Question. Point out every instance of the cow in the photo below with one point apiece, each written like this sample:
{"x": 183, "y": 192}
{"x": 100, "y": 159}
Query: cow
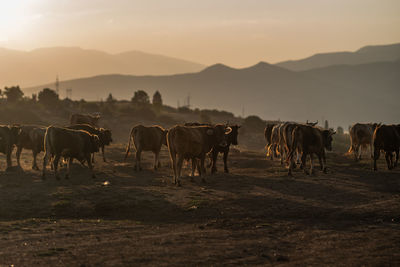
{"x": 30, "y": 137}
{"x": 193, "y": 142}
{"x": 386, "y": 138}
{"x": 361, "y": 136}
{"x": 8, "y": 138}
{"x": 105, "y": 136}
{"x": 273, "y": 149}
{"x": 146, "y": 139}
{"x": 68, "y": 143}
{"x": 268, "y": 139}
{"x": 84, "y": 119}
{"x": 310, "y": 140}
{"x": 286, "y": 132}
{"x": 231, "y": 138}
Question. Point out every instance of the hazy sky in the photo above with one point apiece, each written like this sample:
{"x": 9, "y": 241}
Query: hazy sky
{"x": 234, "y": 32}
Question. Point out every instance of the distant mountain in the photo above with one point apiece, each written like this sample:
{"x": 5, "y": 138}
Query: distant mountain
{"x": 43, "y": 65}
{"x": 342, "y": 94}
{"x": 367, "y": 54}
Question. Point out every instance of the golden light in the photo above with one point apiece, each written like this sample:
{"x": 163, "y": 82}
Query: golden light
{"x": 14, "y": 17}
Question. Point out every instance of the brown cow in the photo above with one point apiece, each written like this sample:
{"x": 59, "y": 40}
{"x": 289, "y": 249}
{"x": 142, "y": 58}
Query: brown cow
{"x": 310, "y": 140}
{"x": 361, "y": 135}
{"x": 8, "y": 138}
{"x": 84, "y": 119}
{"x": 146, "y": 139}
{"x": 387, "y": 138}
{"x": 70, "y": 144}
{"x": 104, "y": 135}
{"x": 193, "y": 142}
{"x": 31, "y": 137}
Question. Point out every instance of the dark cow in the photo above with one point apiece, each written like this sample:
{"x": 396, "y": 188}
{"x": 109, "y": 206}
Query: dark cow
{"x": 84, "y": 119}
{"x": 104, "y": 135}
{"x": 68, "y": 143}
{"x": 231, "y": 138}
{"x": 361, "y": 135}
{"x": 387, "y": 138}
{"x": 193, "y": 142}
{"x": 310, "y": 140}
{"x": 8, "y": 138}
{"x": 287, "y": 130}
{"x": 31, "y": 137}
{"x": 146, "y": 139}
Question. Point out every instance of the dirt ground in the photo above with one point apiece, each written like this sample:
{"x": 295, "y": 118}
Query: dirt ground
{"x": 255, "y": 215}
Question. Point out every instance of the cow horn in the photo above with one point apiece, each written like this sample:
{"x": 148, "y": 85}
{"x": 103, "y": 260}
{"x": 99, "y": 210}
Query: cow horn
{"x": 228, "y": 130}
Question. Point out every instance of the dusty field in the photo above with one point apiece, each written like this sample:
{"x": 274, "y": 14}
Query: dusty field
{"x": 255, "y": 215}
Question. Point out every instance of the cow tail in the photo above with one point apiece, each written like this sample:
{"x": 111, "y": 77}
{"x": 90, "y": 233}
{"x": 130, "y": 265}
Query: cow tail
{"x": 128, "y": 147}
{"x": 294, "y": 143}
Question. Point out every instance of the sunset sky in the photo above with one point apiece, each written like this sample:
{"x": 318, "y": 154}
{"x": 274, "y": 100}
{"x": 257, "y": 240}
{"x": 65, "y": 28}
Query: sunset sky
{"x": 235, "y": 32}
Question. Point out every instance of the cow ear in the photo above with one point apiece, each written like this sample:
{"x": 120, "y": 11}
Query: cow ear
{"x": 210, "y": 132}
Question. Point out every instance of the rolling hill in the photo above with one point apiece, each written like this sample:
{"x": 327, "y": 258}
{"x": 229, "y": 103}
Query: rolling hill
{"x": 367, "y": 54}
{"x": 342, "y": 94}
{"x": 43, "y": 65}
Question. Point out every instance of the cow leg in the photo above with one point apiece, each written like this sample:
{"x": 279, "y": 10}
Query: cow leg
{"x": 194, "y": 164}
{"x": 34, "y": 164}
{"x": 68, "y": 168}
{"x": 45, "y": 158}
{"x": 376, "y": 157}
{"x": 92, "y": 157}
{"x": 18, "y": 155}
{"x": 202, "y": 168}
{"x": 214, "y": 161}
{"x": 179, "y": 170}
{"x": 388, "y": 156}
{"x": 102, "y": 152}
{"x": 9, "y": 164}
{"x": 138, "y": 166}
{"x": 356, "y": 150}
{"x": 324, "y": 162}
{"x": 156, "y": 158}
{"x": 55, "y": 165}
{"x": 312, "y": 164}
{"x": 303, "y": 160}
{"x": 226, "y": 161}
{"x": 298, "y": 156}
{"x": 174, "y": 165}
{"x": 397, "y": 158}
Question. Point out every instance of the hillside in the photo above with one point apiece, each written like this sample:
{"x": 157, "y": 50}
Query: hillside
{"x": 43, "y": 65}
{"x": 266, "y": 90}
{"x": 367, "y": 54}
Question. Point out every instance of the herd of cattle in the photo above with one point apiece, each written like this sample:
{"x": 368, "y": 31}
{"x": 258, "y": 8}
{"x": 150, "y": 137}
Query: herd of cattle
{"x": 193, "y": 142}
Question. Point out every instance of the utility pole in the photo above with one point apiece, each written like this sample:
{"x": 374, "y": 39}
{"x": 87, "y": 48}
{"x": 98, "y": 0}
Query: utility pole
{"x": 57, "y": 85}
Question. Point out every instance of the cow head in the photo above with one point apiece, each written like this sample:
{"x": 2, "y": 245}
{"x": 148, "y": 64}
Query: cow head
{"x": 107, "y": 136}
{"x": 327, "y": 138}
{"x": 233, "y": 134}
{"x": 219, "y": 134}
{"x": 94, "y": 143}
